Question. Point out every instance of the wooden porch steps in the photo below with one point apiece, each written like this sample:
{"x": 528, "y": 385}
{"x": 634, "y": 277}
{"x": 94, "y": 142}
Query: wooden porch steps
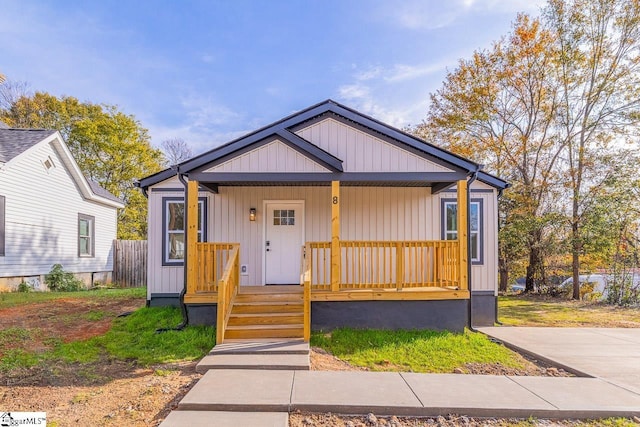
{"x": 269, "y": 312}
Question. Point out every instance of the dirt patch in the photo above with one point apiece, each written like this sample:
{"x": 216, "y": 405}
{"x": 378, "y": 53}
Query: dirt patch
{"x": 66, "y": 320}
{"x": 107, "y": 392}
{"x": 141, "y": 397}
{"x": 332, "y": 420}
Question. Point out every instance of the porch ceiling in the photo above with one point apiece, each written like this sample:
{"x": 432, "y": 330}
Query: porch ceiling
{"x": 438, "y": 181}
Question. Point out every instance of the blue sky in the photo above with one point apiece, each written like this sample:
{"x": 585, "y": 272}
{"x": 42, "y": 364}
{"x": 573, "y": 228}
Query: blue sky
{"x": 210, "y": 71}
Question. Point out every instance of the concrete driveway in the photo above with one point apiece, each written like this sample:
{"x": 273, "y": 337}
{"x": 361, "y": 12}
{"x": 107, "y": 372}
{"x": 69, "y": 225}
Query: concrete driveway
{"x": 612, "y": 354}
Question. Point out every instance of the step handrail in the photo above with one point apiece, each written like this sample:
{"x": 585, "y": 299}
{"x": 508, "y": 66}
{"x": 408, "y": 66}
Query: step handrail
{"x": 227, "y": 290}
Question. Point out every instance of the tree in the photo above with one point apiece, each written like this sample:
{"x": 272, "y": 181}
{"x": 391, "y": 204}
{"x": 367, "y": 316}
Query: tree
{"x": 499, "y": 108}
{"x": 110, "y": 147}
{"x": 11, "y": 91}
{"x": 598, "y": 74}
{"x": 176, "y": 150}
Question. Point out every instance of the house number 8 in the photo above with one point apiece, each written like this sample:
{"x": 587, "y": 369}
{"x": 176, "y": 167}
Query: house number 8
{"x": 335, "y": 200}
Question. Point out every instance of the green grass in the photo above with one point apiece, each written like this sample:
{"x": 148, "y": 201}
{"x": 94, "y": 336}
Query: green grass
{"x": 415, "y": 351}
{"x": 13, "y": 335}
{"x": 12, "y": 299}
{"x": 131, "y": 338}
{"x": 134, "y": 338}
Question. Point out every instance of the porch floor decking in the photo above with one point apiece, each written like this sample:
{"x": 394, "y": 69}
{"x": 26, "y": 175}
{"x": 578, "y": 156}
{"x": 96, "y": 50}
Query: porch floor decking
{"x": 425, "y": 293}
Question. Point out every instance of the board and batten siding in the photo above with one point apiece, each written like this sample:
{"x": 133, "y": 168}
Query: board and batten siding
{"x": 362, "y": 152}
{"x": 484, "y": 276}
{"x": 42, "y": 208}
{"x": 367, "y": 213}
{"x": 275, "y": 156}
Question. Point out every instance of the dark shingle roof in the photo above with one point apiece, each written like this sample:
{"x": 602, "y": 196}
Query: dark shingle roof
{"x": 99, "y": 191}
{"x": 16, "y": 141}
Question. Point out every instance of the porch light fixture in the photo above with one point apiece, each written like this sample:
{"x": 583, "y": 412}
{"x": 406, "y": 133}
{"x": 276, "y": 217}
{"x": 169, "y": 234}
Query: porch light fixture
{"x": 252, "y": 214}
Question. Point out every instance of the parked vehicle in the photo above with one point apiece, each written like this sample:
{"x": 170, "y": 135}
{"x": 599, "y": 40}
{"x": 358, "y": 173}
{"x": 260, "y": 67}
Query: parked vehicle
{"x": 592, "y": 286}
{"x": 519, "y": 285}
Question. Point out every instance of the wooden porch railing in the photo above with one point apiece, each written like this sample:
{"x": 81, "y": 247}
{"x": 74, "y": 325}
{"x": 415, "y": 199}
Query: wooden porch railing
{"x": 227, "y": 290}
{"x": 211, "y": 259}
{"x": 386, "y": 264}
{"x": 306, "y": 294}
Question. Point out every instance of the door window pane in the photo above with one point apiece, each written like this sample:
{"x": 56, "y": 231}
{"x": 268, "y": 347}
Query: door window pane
{"x": 284, "y": 217}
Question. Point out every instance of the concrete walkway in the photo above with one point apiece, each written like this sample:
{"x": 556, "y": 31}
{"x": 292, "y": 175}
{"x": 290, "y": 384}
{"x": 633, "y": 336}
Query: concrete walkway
{"x": 229, "y": 397}
{"x": 607, "y": 353}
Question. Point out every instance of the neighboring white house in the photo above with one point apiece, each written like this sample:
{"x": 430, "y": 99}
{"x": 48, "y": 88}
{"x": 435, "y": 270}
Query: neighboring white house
{"x": 50, "y": 213}
{"x": 273, "y": 191}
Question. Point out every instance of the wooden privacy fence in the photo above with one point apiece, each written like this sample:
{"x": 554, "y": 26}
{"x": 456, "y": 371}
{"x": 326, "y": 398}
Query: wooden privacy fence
{"x": 130, "y": 263}
{"x": 386, "y": 264}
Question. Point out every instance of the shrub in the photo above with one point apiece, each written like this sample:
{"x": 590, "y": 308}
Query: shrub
{"x": 62, "y": 281}
{"x": 24, "y": 287}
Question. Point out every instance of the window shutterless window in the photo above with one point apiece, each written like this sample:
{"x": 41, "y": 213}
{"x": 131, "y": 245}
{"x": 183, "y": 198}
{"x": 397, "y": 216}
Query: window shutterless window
{"x": 173, "y": 226}
{"x": 86, "y": 235}
{"x": 450, "y": 226}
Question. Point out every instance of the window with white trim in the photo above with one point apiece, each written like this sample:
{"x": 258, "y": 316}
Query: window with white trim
{"x": 450, "y": 225}
{"x": 86, "y": 235}
{"x": 173, "y": 225}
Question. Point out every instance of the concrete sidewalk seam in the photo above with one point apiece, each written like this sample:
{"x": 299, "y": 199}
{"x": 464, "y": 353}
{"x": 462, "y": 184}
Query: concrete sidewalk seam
{"x": 532, "y": 392}
{"x": 617, "y": 385}
{"x": 412, "y": 390}
{"x": 547, "y": 360}
{"x": 293, "y": 384}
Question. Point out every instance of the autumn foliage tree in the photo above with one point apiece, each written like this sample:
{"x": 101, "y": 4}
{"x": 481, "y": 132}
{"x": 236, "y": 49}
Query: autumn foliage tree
{"x": 498, "y": 108}
{"x": 598, "y": 73}
{"x": 550, "y": 107}
{"x": 109, "y": 146}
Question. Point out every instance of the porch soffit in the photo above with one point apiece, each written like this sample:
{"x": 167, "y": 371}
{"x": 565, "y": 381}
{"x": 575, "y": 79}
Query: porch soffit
{"x": 438, "y": 181}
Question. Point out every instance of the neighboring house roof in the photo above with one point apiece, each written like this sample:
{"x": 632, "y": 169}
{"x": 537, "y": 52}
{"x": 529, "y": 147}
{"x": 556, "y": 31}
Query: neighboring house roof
{"x": 14, "y": 142}
{"x": 285, "y": 129}
{"x": 18, "y": 142}
{"x": 99, "y": 191}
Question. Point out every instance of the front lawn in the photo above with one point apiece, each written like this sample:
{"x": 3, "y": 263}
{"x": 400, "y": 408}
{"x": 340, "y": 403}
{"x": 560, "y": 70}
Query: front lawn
{"x": 415, "y": 351}
{"x": 535, "y": 310}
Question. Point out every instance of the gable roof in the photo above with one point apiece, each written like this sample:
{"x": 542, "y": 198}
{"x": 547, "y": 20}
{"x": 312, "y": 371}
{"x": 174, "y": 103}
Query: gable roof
{"x": 16, "y": 142}
{"x": 285, "y": 130}
{"x": 100, "y": 191}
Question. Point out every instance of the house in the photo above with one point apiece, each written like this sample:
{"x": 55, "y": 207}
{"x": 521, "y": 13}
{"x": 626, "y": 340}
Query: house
{"x": 50, "y": 213}
{"x": 382, "y": 229}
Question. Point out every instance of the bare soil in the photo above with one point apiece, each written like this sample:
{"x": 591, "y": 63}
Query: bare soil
{"x": 105, "y": 393}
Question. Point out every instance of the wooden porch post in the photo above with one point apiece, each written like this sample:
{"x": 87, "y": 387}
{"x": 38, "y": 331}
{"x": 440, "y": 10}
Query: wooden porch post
{"x": 336, "y": 256}
{"x": 191, "y": 237}
{"x": 463, "y": 236}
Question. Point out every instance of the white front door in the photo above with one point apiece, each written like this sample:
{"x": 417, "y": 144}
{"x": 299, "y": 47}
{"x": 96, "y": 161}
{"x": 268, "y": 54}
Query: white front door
{"x": 284, "y": 237}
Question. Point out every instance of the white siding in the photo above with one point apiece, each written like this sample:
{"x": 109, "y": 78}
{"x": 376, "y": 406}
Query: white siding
{"x": 42, "y": 210}
{"x": 361, "y": 152}
{"x": 272, "y": 157}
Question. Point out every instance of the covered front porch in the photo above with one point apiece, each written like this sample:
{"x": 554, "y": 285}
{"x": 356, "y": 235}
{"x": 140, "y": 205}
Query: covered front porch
{"x": 335, "y": 270}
